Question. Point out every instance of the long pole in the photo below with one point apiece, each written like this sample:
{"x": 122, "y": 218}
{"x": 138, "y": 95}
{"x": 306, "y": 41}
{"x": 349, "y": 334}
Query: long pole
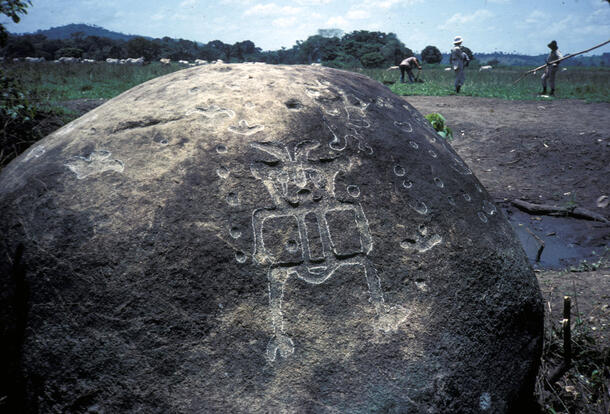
{"x": 559, "y": 60}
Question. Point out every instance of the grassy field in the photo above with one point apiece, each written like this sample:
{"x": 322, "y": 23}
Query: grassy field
{"x": 590, "y": 84}
{"x": 50, "y": 83}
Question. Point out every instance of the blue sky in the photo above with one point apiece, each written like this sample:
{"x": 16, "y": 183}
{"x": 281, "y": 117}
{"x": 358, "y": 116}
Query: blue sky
{"x": 523, "y": 26}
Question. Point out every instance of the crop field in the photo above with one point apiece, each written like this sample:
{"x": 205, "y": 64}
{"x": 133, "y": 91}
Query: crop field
{"x": 49, "y": 83}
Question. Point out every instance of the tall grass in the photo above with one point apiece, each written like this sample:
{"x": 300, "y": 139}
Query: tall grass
{"x": 51, "y": 83}
{"x": 590, "y": 84}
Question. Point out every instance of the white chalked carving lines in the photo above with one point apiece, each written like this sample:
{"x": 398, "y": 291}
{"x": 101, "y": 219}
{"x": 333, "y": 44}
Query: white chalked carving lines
{"x": 95, "y": 163}
{"x": 310, "y": 237}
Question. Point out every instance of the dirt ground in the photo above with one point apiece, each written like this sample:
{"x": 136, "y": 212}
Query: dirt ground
{"x": 554, "y": 152}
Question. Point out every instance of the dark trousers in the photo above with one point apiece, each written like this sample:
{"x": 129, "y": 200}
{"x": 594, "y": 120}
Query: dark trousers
{"x": 404, "y": 69}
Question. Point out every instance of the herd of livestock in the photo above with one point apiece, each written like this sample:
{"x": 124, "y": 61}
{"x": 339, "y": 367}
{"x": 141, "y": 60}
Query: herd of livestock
{"x": 129, "y": 61}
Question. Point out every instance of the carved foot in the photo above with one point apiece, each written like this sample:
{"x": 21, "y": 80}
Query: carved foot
{"x": 281, "y": 343}
{"x": 391, "y": 317}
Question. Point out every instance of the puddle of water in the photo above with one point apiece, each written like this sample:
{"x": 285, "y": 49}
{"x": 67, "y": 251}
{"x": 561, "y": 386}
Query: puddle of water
{"x": 567, "y": 241}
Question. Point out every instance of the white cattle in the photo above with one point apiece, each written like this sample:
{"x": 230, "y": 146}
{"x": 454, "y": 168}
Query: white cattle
{"x": 112, "y": 61}
{"x": 447, "y": 69}
{"x": 220, "y": 62}
{"x": 564, "y": 69}
{"x": 68, "y": 59}
{"x": 34, "y": 59}
{"x": 88, "y": 61}
{"x": 486, "y": 67}
{"x": 133, "y": 61}
{"x": 16, "y": 59}
{"x": 201, "y": 62}
{"x": 183, "y": 62}
{"x": 315, "y": 64}
{"x": 165, "y": 61}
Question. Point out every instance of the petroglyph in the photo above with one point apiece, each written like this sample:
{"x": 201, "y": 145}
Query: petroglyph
{"x": 293, "y": 104}
{"x": 221, "y": 149}
{"x": 489, "y": 208}
{"x": 310, "y": 238}
{"x": 241, "y": 257}
{"x": 432, "y": 154}
{"x": 439, "y": 183}
{"x": 222, "y": 172}
{"x": 35, "y": 152}
{"x": 235, "y": 232}
{"x": 407, "y": 184}
{"x": 339, "y": 144}
{"x": 482, "y": 216}
{"x": 404, "y": 126}
{"x": 413, "y": 144}
{"x": 467, "y": 197}
{"x": 353, "y": 191}
{"x": 94, "y": 163}
{"x": 212, "y": 112}
{"x": 233, "y": 199}
{"x": 419, "y": 206}
{"x": 383, "y": 103}
{"x": 422, "y": 242}
{"x": 399, "y": 171}
{"x": 243, "y": 128}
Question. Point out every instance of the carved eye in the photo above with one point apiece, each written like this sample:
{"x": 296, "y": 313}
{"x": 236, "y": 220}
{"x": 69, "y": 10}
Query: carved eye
{"x": 292, "y": 246}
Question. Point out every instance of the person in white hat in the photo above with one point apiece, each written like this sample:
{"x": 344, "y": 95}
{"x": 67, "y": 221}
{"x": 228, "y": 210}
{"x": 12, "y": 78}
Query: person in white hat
{"x": 551, "y": 69}
{"x": 458, "y": 60}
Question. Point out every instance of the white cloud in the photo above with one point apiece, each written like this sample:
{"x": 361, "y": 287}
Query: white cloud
{"x": 188, "y": 3}
{"x": 272, "y": 9}
{"x": 338, "y": 22}
{"x": 536, "y": 17}
{"x": 312, "y": 2}
{"x": 358, "y": 14}
{"x": 386, "y": 4}
{"x": 284, "y": 22}
{"x": 459, "y": 19}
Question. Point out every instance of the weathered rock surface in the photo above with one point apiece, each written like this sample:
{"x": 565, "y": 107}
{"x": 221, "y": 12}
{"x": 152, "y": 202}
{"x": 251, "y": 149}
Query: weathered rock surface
{"x": 253, "y": 238}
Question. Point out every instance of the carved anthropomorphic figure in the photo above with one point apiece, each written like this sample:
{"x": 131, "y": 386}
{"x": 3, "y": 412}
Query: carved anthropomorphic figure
{"x": 309, "y": 233}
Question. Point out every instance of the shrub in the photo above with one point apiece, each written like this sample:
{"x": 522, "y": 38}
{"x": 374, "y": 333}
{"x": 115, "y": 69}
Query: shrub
{"x": 438, "y": 123}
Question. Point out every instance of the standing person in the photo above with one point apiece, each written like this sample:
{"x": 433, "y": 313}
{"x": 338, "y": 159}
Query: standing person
{"x": 458, "y": 60}
{"x": 551, "y": 69}
{"x": 407, "y": 65}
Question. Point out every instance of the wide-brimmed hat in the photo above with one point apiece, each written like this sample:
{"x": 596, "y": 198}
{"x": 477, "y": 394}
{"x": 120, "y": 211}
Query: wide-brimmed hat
{"x": 552, "y": 45}
{"x": 457, "y": 40}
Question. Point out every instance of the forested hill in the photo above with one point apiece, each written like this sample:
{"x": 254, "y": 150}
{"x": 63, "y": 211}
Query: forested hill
{"x": 66, "y": 32}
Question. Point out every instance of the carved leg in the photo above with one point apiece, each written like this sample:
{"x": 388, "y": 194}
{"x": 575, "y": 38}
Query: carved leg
{"x": 280, "y": 341}
{"x": 388, "y": 317}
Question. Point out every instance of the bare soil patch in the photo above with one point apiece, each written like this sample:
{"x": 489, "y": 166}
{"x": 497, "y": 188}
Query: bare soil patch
{"x": 554, "y": 152}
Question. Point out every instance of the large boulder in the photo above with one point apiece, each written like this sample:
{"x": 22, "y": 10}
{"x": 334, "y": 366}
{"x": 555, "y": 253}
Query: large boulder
{"x": 253, "y": 238}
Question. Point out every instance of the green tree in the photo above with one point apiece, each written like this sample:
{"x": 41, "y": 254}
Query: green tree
{"x": 431, "y": 54}
{"x": 12, "y": 9}
{"x": 139, "y": 46}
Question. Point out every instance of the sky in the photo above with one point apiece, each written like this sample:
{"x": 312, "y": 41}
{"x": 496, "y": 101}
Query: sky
{"x": 520, "y": 26}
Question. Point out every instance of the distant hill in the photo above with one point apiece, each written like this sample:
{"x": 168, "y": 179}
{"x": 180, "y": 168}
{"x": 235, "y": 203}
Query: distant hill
{"x": 65, "y": 32}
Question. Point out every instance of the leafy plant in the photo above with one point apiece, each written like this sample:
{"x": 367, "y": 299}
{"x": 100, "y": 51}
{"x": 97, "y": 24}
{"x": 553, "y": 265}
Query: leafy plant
{"x": 438, "y": 123}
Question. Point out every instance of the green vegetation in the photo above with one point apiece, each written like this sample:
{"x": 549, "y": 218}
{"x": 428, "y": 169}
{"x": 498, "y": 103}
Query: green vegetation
{"x": 51, "y": 83}
{"x": 590, "y": 84}
{"x": 438, "y": 123}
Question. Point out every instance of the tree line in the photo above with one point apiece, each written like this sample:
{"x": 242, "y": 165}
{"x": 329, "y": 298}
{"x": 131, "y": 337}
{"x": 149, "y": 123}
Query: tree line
{"x": 360, "y": 48}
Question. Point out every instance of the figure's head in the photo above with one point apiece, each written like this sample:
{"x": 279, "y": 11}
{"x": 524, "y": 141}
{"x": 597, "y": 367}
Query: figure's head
{"x": 458, "y": 40}
{"x": 552, "y": 45}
